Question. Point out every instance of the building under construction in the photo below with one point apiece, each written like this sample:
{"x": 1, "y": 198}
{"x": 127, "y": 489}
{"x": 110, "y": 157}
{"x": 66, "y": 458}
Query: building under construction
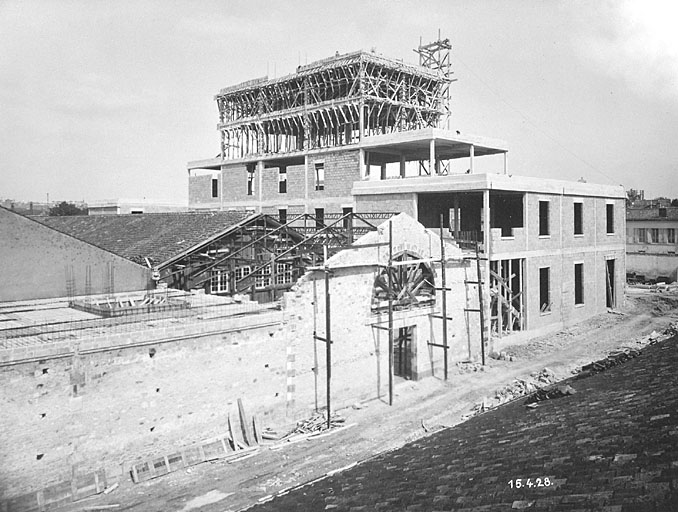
{"x": 361, "y": 133}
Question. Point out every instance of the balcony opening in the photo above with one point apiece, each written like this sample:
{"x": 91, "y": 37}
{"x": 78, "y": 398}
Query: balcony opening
{"x": 506, "y": 212}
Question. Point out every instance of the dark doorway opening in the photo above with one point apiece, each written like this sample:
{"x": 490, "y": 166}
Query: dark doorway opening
{"x": 402, "y": 352}
{"x": 609, "y": 283}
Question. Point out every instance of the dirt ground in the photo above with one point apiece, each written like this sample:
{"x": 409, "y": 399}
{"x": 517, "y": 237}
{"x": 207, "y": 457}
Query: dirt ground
{"x": 375, "y": 427}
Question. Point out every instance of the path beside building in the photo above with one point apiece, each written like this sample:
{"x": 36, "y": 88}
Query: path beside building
{"x": 221, "y": 486}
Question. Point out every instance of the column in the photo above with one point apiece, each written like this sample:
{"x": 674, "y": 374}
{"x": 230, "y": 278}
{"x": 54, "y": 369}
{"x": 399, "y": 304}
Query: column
{"x": 432, "y": 157}
{"x": 471, "y": 155}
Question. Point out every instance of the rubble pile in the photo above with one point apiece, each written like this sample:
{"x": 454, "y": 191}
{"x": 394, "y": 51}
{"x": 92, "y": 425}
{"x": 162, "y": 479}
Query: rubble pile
{"x": 317, "y": 423}
{"x": 517, "y": 389}
{"x": 550, "y": 393}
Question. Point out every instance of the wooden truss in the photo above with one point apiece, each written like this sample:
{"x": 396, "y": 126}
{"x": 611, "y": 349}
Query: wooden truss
{"x": 263, "y": 256}
{"x": 334, "y": 102}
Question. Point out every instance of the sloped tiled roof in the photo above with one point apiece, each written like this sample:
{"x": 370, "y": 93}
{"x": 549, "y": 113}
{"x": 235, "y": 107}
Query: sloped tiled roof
{"x": 157, "y": 236}
{"x": 651, "y": 213}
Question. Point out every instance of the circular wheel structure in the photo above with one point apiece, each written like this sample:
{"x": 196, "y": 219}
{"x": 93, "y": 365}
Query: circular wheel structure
{"x": 411, "y": 285}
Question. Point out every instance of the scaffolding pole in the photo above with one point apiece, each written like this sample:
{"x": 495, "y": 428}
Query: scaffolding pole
{"x": 444, "y": 292}
{"x": 390, "y": 312}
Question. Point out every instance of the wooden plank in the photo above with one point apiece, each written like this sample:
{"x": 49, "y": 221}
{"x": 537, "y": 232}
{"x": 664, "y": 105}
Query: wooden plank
{"x": 256, "y": 429}
{"x": 232, "y": 433}
{"x": 244, "y": 424}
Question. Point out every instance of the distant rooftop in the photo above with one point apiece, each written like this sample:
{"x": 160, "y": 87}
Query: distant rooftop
{"x": 156, "y": 236}
{"x": 661, "y": 213}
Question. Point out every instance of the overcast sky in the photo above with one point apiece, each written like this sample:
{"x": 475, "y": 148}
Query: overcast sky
{"x": 109, "y": 99}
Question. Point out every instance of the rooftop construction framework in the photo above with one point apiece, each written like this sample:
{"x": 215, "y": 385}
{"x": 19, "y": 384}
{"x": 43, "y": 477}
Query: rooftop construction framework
{"x": 334, "y": 102}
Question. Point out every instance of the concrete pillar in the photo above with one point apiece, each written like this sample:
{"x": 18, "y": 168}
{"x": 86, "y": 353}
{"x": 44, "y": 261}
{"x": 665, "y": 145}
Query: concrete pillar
{"x": 506, "y": 163}
{"x": 361, "y": 158}
{"x": 432, "y": 157}
{"x": 402, "y": 166}
{"x": 471, "y": 156}
{"x": 382, "y": 174}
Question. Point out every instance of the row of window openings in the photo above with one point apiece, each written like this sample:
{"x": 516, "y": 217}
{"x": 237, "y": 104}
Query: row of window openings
{"x": 545, "y": 287}
{"x": 220, "y": 281}
{"x": 282, "y": 180}
{"x": 654, "y": 235}
{"x": 578, "y": 220}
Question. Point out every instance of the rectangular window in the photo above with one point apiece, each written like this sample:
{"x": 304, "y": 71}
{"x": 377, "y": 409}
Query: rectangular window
{"x": 640, "y": 235}
{"x": 671, "y": 236}
{"x": 320, "y": 217}
{"x": 263, "y": 277}
{"x": 250, "y": 179}
{"x": 610, "y": 219}
{"x": 283, "y": 273}
{"x": 578, "y": 219}
{"x": 320, "y": 176}
{"x": 219, "y": 281}
{"x": 578, "y": 283}
{"x": 654, "y": 236}
{"x": 282, "y": 215}
{"x": 348, "y": 221}
{"x": 241, "y": 272}
{"x": 215, "y": 187}
{"x": 282, "y": 180}
{"x": 544, "y": 290}
{"x": 544, "y": 229}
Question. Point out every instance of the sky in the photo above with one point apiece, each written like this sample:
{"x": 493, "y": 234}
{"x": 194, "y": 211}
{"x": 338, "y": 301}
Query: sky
{"x": 103, "y": 100}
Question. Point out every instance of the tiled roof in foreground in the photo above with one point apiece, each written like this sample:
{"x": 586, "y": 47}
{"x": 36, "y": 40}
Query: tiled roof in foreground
{"x": 157, "y": 236}
{"x": 613, "y": 446}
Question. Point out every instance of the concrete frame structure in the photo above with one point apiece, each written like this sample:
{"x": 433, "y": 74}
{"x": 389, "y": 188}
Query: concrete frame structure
{"x": 651, "y": 247}
{"x": 363, "y": 133}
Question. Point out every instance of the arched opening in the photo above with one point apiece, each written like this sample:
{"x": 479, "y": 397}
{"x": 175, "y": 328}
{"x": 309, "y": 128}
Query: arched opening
{"x": 412, "y": 285}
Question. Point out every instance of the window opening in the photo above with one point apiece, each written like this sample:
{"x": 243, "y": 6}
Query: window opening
{"x": 578, "y": 219}
{"x": 250, "y": 179}
{"x": 578, "y": 283}
{"x": 610, "y": 219}
{"x": 219, "y": 281}
{"x": 609, "y": 282}
{"x": 402, "y": 352}
{"x": 347, "y": 220}
{"x": 544, "y": 290}
{"x": 671, "y": 236}
{"x": 215, "y": 187}
{"x": 320, "y": 217}
{"x": 412, "y": 285}
{"x": 282, "y": 215}
{"x": 544, "y": 218}
{"x": 654, "y": 235}
{"x": 282, "y": 180}
{"x": 320, "y": 176}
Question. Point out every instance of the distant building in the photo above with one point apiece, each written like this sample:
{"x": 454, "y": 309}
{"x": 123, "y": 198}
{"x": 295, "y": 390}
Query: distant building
{"x": 651, "y": 243}
{"x": 132, "y": 206}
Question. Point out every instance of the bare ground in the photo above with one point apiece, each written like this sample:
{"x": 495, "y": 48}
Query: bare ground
{"x": 377, "y": 427}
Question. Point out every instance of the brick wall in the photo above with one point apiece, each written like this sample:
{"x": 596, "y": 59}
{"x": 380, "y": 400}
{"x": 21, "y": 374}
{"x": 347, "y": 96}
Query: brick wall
{"x": 401, "y": 203}
{"x": 200, "y": 190}
{"x": 35, "y": 257}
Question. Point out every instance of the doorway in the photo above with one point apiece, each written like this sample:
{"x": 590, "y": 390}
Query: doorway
{"x": 609, "y": 283}
{"x": 402, "y": 352}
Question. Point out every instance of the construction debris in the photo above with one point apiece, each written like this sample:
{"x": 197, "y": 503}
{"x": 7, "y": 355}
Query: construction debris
{"x": 550, "y": 393}
{"x": 517, "y": 389}
{"x": 317, "y": 423}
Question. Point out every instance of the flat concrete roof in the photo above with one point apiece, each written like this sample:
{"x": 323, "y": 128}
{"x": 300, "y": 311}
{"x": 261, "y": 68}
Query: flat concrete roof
{"x": 414, "y": 144}
{"x": 478, "y": 182}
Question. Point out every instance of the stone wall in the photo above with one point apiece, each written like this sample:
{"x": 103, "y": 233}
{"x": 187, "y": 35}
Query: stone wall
{"x": 35, "y": 259}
